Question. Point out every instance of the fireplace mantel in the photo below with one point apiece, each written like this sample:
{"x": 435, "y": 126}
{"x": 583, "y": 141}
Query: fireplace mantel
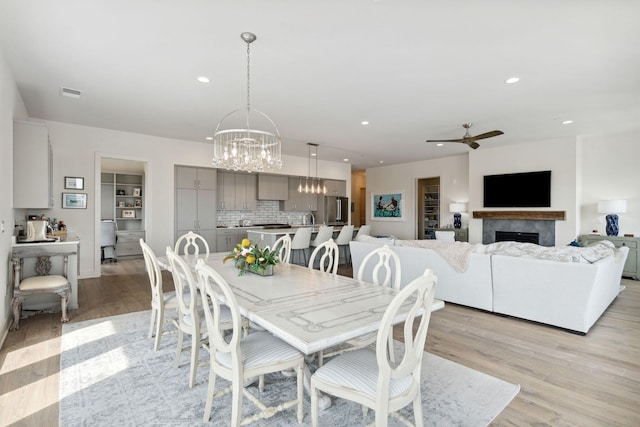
{"x": 533, "y": 215}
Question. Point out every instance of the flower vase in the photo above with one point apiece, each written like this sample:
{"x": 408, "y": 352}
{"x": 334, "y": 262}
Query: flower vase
{"x": 267, "y": 270}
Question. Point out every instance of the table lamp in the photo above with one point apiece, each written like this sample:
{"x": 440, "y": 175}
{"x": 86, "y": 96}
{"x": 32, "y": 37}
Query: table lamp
{"x": 457, "y": 208}
{"x": 611, "y": 208}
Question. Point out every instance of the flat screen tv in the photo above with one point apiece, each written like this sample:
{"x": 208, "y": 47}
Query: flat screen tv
{"x": 518, "y": 190}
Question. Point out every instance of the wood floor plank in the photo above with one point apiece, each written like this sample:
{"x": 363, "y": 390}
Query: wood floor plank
{"x": 566, "y": 379}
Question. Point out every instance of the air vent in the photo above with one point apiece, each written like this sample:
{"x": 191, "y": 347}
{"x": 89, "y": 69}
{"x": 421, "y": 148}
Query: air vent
{"x": 71, "y": 93}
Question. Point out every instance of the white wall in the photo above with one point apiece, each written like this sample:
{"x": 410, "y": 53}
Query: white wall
{"x": 560, "y": 156}
{"x": 584, "y": 170}
{"x": 76, "y": 152}
{"x": 454, "y": 187}
{"x": 11, "y": 107}
{"x": 610, "y": 171}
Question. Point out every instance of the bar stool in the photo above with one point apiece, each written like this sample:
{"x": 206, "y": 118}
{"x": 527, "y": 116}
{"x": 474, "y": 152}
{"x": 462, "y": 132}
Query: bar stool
{"x": 343, "y": 239}
{"x": 300, "y": 242}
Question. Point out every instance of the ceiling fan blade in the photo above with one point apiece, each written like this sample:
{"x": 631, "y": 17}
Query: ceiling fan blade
{"x": 445, "y": 140}
{"x": 486, "y": 135}
{"x": 472, "y": 144}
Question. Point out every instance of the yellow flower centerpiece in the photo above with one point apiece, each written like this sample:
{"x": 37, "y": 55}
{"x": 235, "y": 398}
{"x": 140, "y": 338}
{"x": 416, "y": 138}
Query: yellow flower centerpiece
{"x": 248, "y": 256}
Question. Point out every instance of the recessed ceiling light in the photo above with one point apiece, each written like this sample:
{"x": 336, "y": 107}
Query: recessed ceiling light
{"x": 313, "y": 154}
{"x": 512, "y": 80}
{"x": 364, "y": 123}
{"x": 439, "y": 144}
{"x": 209, "y": 138}
{"x": 381, "y": 161}
{"x": 567, "y": 122}
{"x": 346, "y": 160}
{"x": 203, "y": 79}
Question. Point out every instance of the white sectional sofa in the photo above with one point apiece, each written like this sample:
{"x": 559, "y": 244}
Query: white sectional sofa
{"x": 569, "y": 295}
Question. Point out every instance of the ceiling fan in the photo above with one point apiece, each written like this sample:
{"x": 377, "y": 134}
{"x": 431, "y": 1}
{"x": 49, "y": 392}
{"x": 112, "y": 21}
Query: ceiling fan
{"x": 468, "y": 139}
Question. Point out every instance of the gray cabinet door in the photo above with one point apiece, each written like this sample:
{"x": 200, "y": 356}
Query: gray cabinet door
{"x": 186, "y": 177}
{"x": 186, "y": 209}
{"x": 207, "y": 179}
{"x": 206, "y": 209}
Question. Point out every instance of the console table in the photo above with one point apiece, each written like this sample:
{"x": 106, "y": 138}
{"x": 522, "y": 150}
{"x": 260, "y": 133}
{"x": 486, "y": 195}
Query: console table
{"x": 461, "y": 234}
{"x": 633, "y": 259}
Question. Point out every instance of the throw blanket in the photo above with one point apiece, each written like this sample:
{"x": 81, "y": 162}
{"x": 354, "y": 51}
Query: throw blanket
{"x": 591, "y": 253}
{"x": 455, "y": 253}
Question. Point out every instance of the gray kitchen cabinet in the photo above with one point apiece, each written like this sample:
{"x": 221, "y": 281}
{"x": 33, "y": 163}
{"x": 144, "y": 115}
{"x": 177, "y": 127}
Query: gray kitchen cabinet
{"x": 246, "y": 192}
{"x": 228, "y": 238}
{"x": 226, "y": 190}
{"x": 335, "y": 187}
{"x": 32, "y": 166}
{"x": 273, "y": 187}
{"x": 297, "y": 201}
{"x": 195, "y": 203}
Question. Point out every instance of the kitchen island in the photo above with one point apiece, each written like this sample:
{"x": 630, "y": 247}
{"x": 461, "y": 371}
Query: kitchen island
{"x": 264, "y": 237}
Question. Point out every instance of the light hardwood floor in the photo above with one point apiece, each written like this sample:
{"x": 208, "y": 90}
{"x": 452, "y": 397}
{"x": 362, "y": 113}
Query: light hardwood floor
{"x": 565, "y": 379}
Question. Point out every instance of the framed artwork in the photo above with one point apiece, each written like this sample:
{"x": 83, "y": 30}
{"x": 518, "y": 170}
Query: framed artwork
{"x": 138, "y": 203}
{"x": 128, "y": 214}
{"x": 137, "y": 192}
{"x": 73, "y": 183}
{"x": 74, "y": 200}
{"x": 387, "y": 206}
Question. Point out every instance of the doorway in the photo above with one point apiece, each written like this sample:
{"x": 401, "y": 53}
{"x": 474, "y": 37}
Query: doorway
{"x": 428, "y": 207}
{"x": 123, "y": 210}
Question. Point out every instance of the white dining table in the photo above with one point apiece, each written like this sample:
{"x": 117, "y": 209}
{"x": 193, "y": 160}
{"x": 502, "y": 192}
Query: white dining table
{"x": 308, "y": 309}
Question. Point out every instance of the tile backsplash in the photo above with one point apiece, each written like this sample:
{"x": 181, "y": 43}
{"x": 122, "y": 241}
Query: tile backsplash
{"x": 268, "y": 212}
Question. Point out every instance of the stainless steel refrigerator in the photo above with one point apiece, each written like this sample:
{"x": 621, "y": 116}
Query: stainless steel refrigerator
{"x": 336, "y": 210}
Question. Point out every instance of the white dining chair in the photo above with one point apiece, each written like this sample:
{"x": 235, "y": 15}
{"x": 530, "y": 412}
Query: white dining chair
{"x": 238, "y": 358}
{"x": 190, "y": 319}
{"x": 381, "y": 267}
{"x": 343, "y": 239}
{"x": 193, "y": 244}
{"x": 161, "y": 301}
{"x": 370, "y": 377}
{"x": 283, "y": 246}
{"x": 327, "y": 255}
{"x": 300, "y": 242}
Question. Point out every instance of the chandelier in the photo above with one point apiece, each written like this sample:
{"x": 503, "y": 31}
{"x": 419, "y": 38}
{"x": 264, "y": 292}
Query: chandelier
{"x": 317, "y": 186}
{"x": 247, "y": 149}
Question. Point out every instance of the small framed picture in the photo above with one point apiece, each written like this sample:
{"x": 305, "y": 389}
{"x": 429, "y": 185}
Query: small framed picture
{"x": 137, "y": 192}
{"x": 121, "y": 204}
{"x": 138, "y": 203}
{"x": 73, "y": 183}
{"x": 74, "y": 200}
{"x": 128, "y": 214}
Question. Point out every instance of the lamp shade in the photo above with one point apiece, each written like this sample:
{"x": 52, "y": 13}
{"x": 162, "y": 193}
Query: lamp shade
{"x": 612, "y": 206}
{"x": 457, "y": 207}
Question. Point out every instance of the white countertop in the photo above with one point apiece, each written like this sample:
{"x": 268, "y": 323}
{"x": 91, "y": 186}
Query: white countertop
{"x": 67, "y": 242}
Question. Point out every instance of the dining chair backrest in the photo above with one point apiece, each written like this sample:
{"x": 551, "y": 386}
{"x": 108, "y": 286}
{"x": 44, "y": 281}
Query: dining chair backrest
{"x": 422, "y": 291}
{"x": 213, "y": 289}
{"x": 283, "y": 246}
{"x": 345, "y": 235}
{"x": 301, "y": 238}
{"x": 325, "y": 232}
{"x": 386, "y": 267}
{"x": 328, "y": 253}
{"x": 186, "y": 289}
{"x": 153, "y": 271}
{"x": 193, "y": 243}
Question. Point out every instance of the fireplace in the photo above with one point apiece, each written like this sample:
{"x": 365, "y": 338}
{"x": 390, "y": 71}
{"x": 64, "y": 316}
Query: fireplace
{"x": 517, "y": 236}
{"x": 545, "y": 230}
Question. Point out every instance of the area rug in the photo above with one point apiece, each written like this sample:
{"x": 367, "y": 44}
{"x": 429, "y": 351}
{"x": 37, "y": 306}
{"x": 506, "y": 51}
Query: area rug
{"x": 110, "y": 375}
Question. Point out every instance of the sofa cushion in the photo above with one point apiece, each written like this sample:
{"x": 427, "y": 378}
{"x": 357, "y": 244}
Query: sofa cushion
{"x": 592, "y": 253}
